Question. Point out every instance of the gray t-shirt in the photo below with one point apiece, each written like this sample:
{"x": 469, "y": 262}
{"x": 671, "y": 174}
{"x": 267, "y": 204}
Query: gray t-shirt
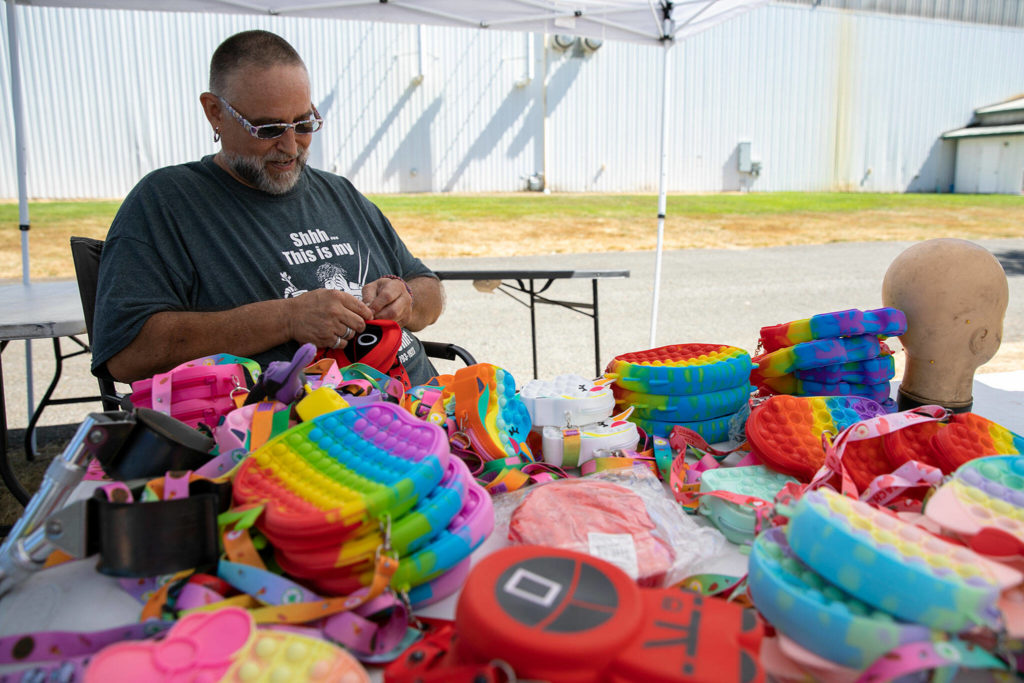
{"x": 192, "y": 238}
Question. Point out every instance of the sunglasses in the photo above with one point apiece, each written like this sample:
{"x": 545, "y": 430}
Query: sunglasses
{"x": 270, "y": 131}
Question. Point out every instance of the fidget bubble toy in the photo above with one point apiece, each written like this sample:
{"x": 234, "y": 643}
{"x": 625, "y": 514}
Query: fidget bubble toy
{"x": 488, "y": 410}
{"x": 687, "y": 408}
{"x": 681, "y": 369}
{"x": 816, "y": 354}
{"x": 883, "y": 322}
{"x": 573, "y": 446}
{"x": 895, "y": 566}
{"x": 406, "y": 533}
{"x": 342, "y": 470}
{"x": 225, "y": 645}
{"x": 444, "y": 552}
{"x": 818, "y": 615}
{"x": 790, "y": 384}
{"x": 738, "y": 521}
{"x": 871, "y": 371}
{"x": 785, "y": 431}
{"x": 968, "y": 436}
{"x": 714, "y": 430}
{"x": 913, "y": 442}
{"x": 983, "y": 494}
{"x": 567, "y": 401}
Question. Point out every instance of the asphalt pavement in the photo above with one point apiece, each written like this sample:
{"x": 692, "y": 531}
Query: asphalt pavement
{"x": 708, "y": 295}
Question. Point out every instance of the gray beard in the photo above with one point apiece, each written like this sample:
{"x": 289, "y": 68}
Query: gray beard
{"x": 253, "y": 170}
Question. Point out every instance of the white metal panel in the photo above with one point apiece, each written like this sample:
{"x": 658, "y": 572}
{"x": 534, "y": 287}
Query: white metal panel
{"x": 824, "y": 96}
{"x": 992, "y": 164}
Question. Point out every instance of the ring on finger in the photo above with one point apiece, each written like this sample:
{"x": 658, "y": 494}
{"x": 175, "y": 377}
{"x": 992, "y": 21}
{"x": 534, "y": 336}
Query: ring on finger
{"x": 337, "y": 343}
{"x": 349, "y": 333}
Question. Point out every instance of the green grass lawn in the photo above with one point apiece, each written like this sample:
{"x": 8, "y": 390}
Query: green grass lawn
{"x": 449, "y": 207}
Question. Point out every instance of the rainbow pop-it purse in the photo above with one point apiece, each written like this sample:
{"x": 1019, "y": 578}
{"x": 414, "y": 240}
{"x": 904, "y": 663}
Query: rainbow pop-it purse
{"x": 790, "y": 384}
{"x": 816, "y": 614}
{"x": 884, "y": 322}
{"x": 489, "y": 412}
{"x": 688, "y": 408}
{"x": 341, "y": 472}
{"x": 405, "y": 534}
{"x": 444, "y": 552}
{"x": 870, "y": 371}
{"x": 713, "y": 430}
{"x": 895, "y": 566}
{"x": 681, "y": 369}
{"x": 815, "y": 354}
{"x": 968, "y": 436}
{"x": 567, "y": 401}
{"x": 785, "y": 432}
{"x": 983, "y": 503}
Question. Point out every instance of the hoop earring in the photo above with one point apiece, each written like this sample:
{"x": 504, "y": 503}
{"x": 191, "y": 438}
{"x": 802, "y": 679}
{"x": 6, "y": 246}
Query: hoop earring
{"x": 216, "y": 134}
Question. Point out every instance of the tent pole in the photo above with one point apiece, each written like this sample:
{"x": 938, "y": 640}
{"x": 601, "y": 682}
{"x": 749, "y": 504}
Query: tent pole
{"x": 19, "y": 136}
{"x": 662, "y": 185}
{"x": 19, "y": 155}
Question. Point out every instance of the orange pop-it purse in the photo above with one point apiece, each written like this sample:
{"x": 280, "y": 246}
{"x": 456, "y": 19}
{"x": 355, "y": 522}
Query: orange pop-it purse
{"x": 786, "y": 432}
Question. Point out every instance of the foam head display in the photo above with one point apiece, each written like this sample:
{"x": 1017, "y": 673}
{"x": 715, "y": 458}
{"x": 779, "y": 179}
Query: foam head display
{"x": 954, "y": 294}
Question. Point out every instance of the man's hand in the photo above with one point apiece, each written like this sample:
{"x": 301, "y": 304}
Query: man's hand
{"x": 389, "y": 299}
{"x": 322, "y": 316}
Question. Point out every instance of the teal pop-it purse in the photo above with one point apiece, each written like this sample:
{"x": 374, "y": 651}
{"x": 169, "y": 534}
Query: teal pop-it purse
{"x": 729, "y": 496}
{"x": 895, "y": 566}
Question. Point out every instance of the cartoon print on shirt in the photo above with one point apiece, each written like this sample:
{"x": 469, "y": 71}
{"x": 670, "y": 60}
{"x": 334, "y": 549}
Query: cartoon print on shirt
{"x": 333, "y": 276}
{"x": 330, "y": 274}
{"x": 291, "y": 290}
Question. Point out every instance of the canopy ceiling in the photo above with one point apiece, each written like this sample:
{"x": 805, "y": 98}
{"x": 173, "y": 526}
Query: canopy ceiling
{"x": 642, "y": 21}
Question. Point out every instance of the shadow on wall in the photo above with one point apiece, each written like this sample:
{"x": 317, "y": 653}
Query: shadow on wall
{"x": 413, "y": 160}
{"x": 520, "y": 107}
{"x": 1012, "y": 261}
{"x": 378, "y": 135}
{"x": 937, "y": 172}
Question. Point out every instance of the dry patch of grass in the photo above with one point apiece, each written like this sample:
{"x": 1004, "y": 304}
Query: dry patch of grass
{"x": 444, "y": 239}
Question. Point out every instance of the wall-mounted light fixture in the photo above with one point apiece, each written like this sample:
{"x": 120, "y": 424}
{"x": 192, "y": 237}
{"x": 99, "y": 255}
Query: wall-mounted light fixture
{"x": 562, "y": 41}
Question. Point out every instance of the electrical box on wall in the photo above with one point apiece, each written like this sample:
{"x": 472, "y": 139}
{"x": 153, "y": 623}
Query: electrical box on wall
{"x": 745, "y": 162}
{"x": 744, "y": 157}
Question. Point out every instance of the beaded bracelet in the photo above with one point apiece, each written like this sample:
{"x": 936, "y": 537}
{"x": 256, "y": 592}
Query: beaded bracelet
{"x": 402, "y": 280}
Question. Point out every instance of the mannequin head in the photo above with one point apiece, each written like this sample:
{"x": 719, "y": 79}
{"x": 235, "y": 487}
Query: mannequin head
{"x": 954, "y": 294}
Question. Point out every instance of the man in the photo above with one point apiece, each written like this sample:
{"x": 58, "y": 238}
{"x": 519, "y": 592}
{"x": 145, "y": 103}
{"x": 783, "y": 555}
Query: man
{"x": 249, "y": 251}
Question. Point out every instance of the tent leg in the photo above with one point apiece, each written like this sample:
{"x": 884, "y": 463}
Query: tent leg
{"x": 19, "y": 136}
{"x": 19, "y": 154}
{"x": 662, "y": 187}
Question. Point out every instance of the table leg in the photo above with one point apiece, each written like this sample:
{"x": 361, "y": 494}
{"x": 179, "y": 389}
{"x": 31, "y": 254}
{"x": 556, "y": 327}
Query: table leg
{"x": 58, "y": 369}
{"x": 11, "y": 481}
{"x": 533, "y": 327}
{"x": 597, "y": 333}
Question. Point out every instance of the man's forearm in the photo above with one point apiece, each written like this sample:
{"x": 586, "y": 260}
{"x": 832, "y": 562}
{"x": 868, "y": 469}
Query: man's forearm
{"x": 168, "y": 339}
{"x": 428, "y": 302}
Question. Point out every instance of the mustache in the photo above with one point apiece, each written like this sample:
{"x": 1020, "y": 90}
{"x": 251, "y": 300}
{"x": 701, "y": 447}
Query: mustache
{"x": 282, "y": 158}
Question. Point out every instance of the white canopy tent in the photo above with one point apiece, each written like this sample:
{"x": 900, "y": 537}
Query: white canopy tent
{"x": 661, "y": 22}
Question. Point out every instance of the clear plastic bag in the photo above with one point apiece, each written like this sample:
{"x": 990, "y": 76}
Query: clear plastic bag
{"x": 623, "y": 516}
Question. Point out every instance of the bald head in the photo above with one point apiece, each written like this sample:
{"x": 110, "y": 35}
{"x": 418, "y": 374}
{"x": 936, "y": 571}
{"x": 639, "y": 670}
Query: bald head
{"x": 248, "y": 50}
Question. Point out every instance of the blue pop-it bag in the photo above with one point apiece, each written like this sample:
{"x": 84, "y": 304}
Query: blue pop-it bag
{"x": 816, "y": 614}
{"x": 895, "y": 566}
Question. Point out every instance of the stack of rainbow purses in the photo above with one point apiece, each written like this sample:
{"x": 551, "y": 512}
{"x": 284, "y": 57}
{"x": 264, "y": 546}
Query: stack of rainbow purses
{"x": 697, "y": 386}
{"x": 831, "y": 354}
{"x": 347, "y": 484}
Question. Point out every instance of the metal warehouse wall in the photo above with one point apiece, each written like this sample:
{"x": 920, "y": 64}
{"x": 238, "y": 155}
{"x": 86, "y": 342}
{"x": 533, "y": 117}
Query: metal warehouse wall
{"x": 828, "y": 99}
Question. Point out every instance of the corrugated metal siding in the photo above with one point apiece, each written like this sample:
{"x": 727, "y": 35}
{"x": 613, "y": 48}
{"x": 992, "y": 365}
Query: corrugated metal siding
{"x": 997, "y": 12}
{"x": 828, "y": 99}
